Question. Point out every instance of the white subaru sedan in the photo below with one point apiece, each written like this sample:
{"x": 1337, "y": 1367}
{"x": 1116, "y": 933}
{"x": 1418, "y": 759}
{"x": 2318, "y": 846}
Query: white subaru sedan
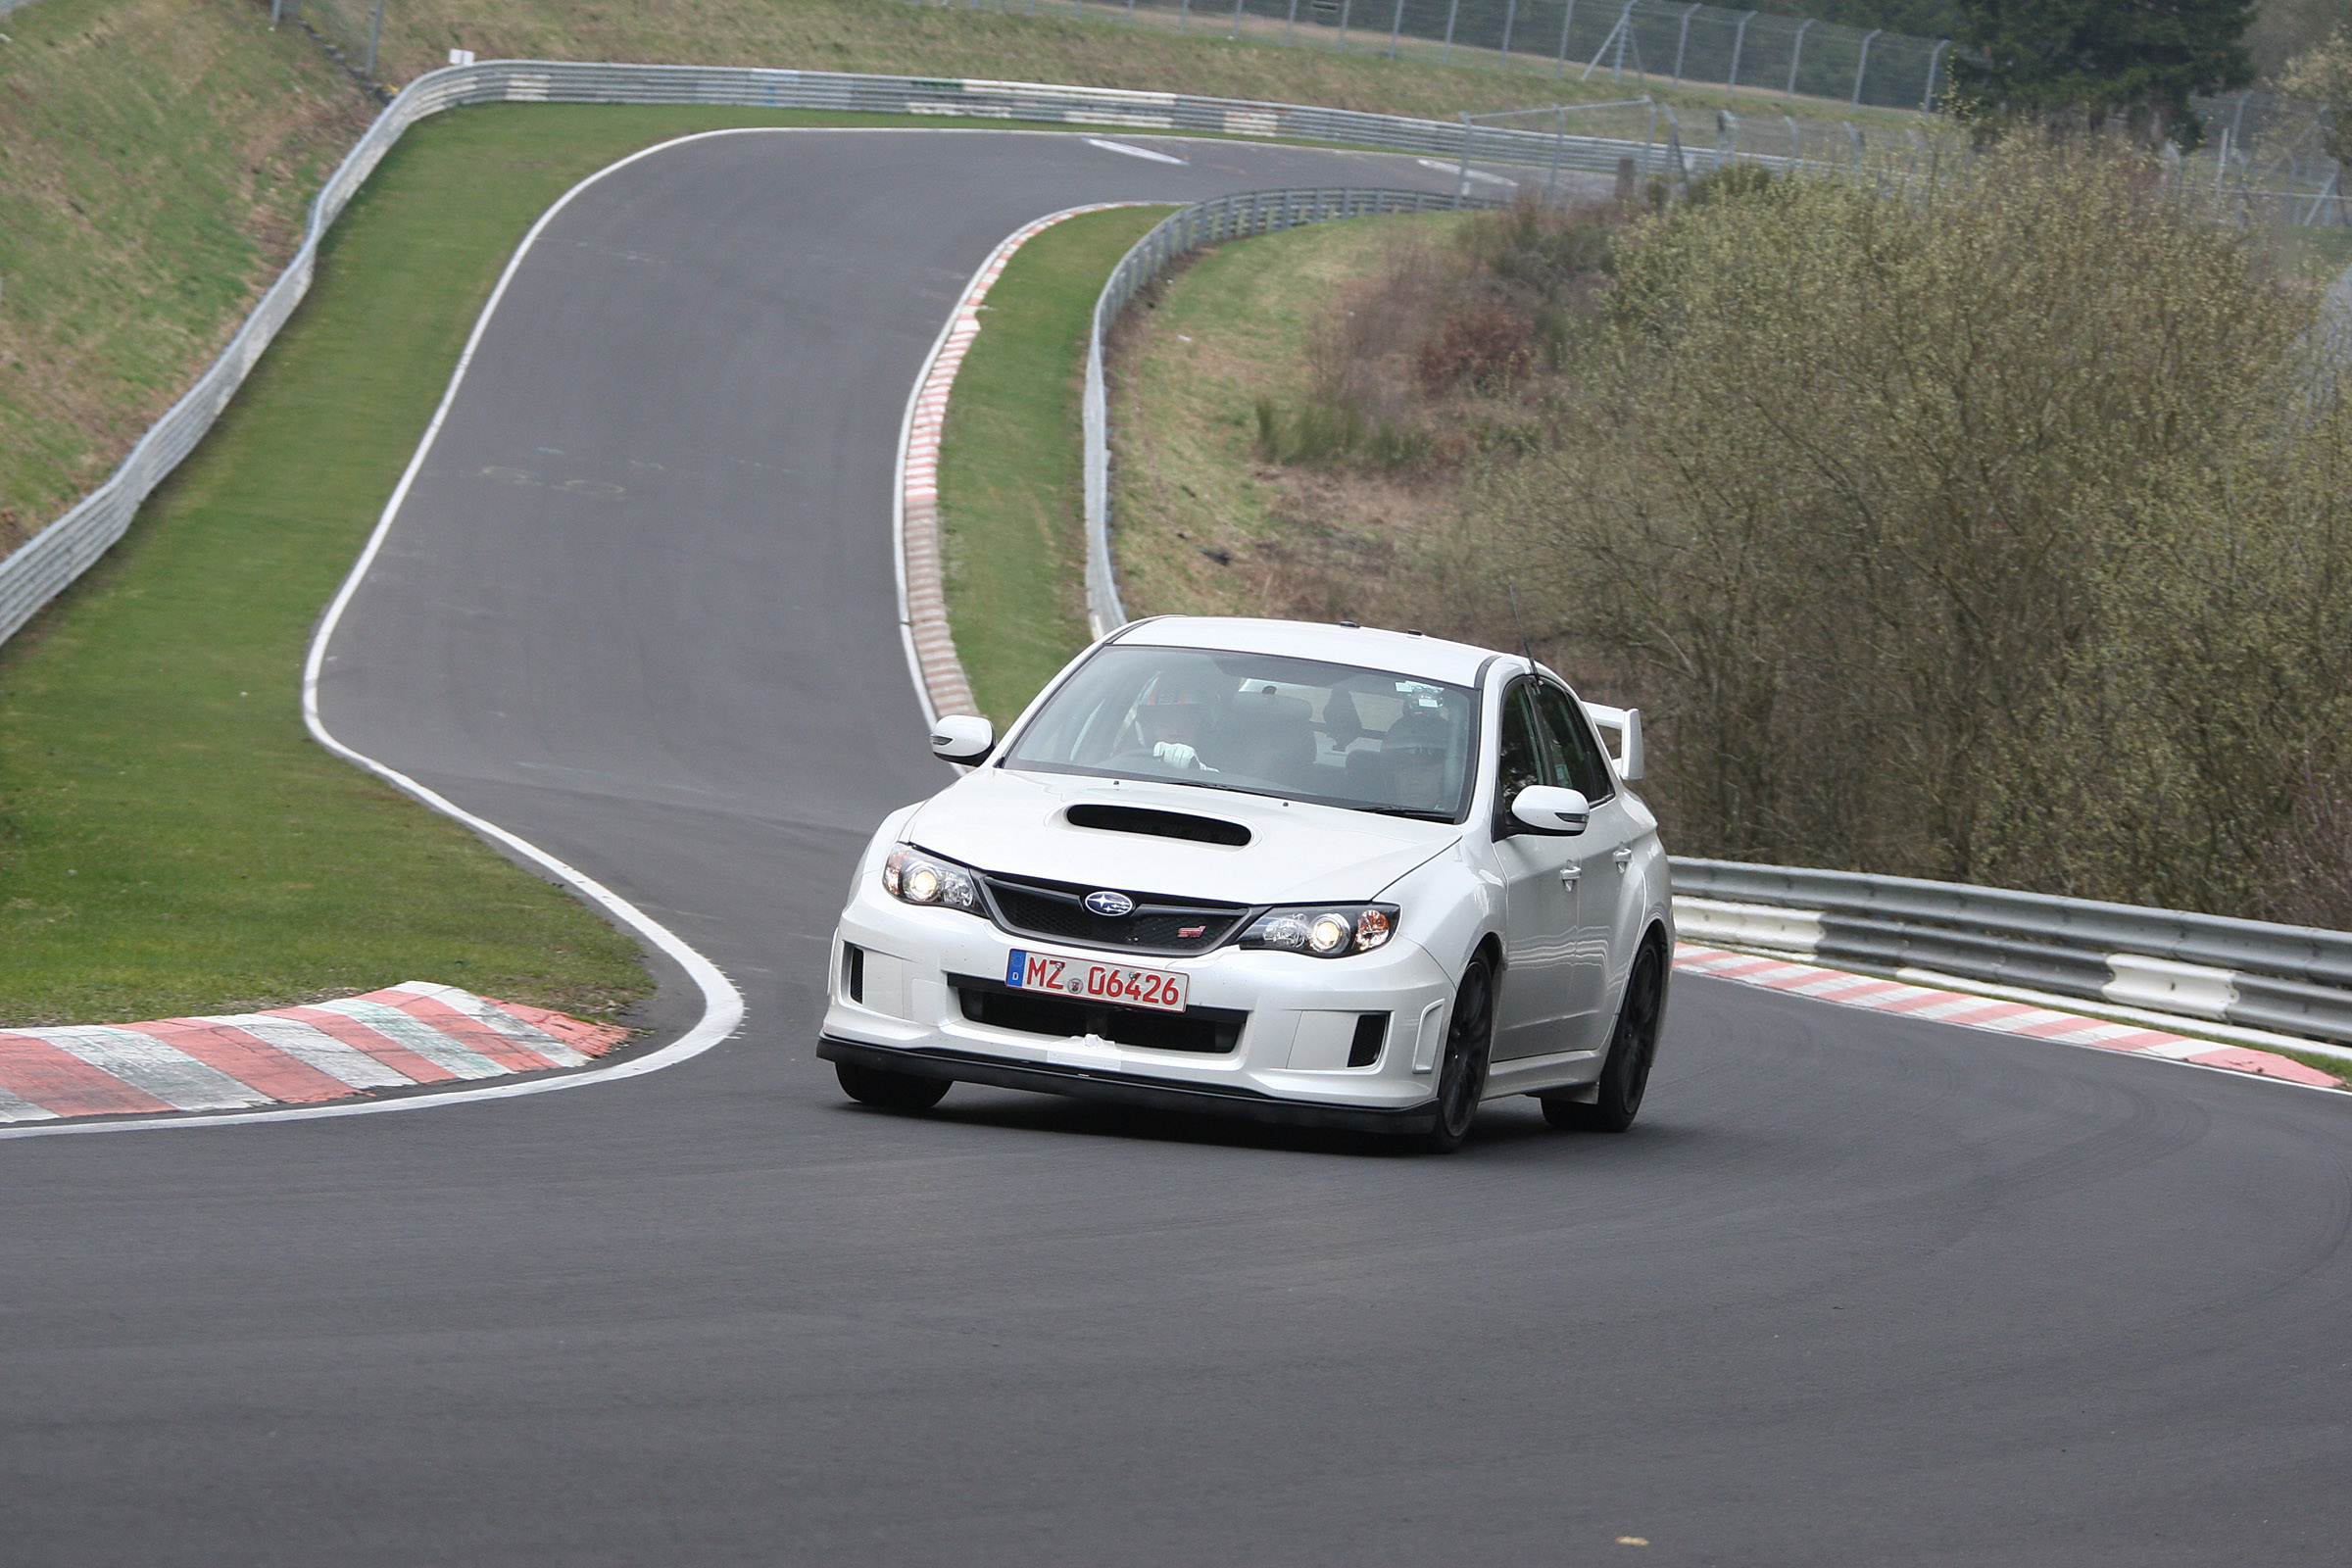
{"x": 1301, "y": 873}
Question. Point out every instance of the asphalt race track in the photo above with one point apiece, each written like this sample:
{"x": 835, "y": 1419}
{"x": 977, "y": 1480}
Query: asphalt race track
{"x": 1856, "y": 1291}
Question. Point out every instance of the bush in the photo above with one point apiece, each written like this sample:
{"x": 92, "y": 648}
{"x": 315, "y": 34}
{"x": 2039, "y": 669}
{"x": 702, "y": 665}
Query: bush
{"x": 1984, "y": 528}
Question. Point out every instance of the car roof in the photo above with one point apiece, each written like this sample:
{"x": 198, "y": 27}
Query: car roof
{"x": 1366, "y": 647}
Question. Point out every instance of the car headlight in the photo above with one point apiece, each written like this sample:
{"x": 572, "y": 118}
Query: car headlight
{"x": 915, "y": 877}
{"x": 1326, "y": 930}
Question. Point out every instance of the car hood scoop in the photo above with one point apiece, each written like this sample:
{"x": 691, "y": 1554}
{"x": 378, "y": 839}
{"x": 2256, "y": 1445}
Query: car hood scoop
{"x": 1069, "y": 829}
{"x": 1155, "y": 823}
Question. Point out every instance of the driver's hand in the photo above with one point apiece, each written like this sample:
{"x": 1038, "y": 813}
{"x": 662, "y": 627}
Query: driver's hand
{"x": 1177, "y": 754}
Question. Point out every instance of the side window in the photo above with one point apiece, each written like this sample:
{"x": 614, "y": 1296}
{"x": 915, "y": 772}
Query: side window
{"x": 1576, "y": 756}
{"x": 1520, "y": 762}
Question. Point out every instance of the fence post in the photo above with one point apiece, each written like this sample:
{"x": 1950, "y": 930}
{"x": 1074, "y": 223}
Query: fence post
{"x": 1236, "y": 31}
{"x": 1796, "y": 142}
{"x": 1395, "y": 27}
{"x": 1862, "y": 65}
{"x": 1796, "y": 53}
{"x": 1510, "y": 13}
{"x": 1451, "y": 11}
{"x": 1927, "y": 100}
{"x": 1739, "y": 42}
{"x": 1184, "y": 12}
{"x": 1559, "y": 66}
{"x": 1682, "y": 41}
{"x": 1624, "y": 32}
{"x": 1344, "y": 6}
{"x": 1287, "y": 23}
{"x": 1461, "y": 183}
{"x": 375, "y": 30}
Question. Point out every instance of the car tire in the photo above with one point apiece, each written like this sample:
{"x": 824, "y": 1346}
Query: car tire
{"x": 1462, "y": 1070}
{"x": 889, "y": 1091}
{"x": 1633, "y": 1046}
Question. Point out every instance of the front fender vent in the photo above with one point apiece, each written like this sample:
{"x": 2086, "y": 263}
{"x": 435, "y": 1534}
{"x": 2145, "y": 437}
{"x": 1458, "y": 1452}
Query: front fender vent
{"x": 1157, "y": 824}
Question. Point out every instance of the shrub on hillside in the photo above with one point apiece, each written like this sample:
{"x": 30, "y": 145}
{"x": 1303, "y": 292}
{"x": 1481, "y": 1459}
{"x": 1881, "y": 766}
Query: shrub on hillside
{"x": 1984, "y": 528}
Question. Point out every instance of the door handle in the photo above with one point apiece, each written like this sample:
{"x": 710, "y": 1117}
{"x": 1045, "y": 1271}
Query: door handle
{"x": 1569, "y": 873}
{"x": 1623, "y": 857}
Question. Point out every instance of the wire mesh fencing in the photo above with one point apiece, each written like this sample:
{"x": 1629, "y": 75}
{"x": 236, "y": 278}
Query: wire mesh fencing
{"x": 1646, "y": 42}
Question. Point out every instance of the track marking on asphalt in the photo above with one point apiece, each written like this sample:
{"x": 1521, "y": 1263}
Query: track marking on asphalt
{"x": 1133, "y": 152}
{"x": 1901, "y": 999}
{"x": 1455, "y": 168}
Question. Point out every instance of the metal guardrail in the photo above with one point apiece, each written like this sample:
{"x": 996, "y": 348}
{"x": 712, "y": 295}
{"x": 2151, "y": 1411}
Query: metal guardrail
{"x": 40, "y": 569}
{"x": 2290, "y": 980}
{"x": 1179, "y": 234}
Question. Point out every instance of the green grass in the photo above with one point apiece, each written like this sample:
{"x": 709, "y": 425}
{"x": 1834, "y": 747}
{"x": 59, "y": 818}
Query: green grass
{"x": 1230, "y": 329}
{"x": 155, "y": 158}
{"x": 170, "y": 840}
{"x": 1010, "y": 479}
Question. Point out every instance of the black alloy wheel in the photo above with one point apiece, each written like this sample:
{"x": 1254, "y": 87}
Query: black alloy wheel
{"x": 1633, "y": 1046}
{"x": 889, "y": 1091}
{"x": 1463, "y": 1073}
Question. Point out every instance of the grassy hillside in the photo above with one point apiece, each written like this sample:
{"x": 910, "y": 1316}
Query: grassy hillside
{"x": 155, "y": 160}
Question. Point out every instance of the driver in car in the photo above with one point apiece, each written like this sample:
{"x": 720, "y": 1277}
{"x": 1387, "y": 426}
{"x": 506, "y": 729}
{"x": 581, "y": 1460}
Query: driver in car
{"x": 1170, "y": 719}
{"x": 1415, "y": 752}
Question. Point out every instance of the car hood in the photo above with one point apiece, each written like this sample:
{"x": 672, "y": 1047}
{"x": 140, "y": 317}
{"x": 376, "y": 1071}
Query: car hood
{"x": 996, "y": 819}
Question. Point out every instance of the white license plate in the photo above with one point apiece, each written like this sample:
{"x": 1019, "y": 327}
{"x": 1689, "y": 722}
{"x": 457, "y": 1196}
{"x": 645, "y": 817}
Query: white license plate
{"x": 1155, "y": 988}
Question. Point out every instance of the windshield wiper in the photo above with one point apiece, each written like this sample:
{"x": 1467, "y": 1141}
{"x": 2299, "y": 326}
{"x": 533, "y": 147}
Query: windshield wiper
{"x": 1414, "y": 811}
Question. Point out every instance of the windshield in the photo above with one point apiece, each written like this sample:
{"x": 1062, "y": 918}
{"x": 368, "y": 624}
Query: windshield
{"x": 1291, "y": 728}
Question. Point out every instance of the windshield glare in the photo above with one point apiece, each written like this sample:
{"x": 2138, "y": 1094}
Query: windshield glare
{"x": 1333, "y": 734}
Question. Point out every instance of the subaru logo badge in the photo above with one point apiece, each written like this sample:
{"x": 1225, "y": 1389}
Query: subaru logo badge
{"x": 1110, "y": 906}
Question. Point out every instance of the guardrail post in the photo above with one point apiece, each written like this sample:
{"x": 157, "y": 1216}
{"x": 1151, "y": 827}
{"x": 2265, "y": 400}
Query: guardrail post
{"x": 1739, "y": 42}
{"x": 1927, "y": 99}
{"x": 1862, "y": 65}
{"x": 1796, "y": 53}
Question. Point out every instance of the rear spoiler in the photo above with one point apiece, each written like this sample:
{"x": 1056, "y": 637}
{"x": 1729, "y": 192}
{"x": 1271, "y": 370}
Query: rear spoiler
{"x": 1626, "y": 722}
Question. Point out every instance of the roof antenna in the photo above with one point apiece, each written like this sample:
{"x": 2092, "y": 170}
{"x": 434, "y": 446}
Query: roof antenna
{"x": 1512, "y": 589}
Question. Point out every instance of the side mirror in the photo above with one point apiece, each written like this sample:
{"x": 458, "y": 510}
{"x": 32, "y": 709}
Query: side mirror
{"x": 1543, "y": 809}
{"x": 965, "y": 738}
{"x": 1627, "y": 722}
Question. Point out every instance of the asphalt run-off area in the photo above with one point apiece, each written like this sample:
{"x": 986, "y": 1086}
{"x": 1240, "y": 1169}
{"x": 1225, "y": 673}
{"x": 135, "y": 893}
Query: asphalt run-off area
{"x": 1859, "y": 1287}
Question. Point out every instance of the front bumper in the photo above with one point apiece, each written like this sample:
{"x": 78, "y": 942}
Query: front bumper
{"x": 1299, "y": 1017}
{"x": 1128, "y": 1089}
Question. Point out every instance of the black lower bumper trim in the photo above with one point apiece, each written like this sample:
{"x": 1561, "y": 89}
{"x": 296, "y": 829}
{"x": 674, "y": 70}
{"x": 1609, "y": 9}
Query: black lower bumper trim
{"x": 1126, "y": 1089}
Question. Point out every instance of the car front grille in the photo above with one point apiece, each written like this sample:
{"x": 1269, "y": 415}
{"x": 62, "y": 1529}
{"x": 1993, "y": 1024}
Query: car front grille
{"x": 1055, "y": 912}
{"x": 1204, "y": 1031}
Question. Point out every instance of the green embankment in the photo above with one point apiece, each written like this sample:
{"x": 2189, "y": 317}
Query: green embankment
{"x": 170, "y": 840}
{"x": 1010, "y": 476}
{"x": 155, "y": 160}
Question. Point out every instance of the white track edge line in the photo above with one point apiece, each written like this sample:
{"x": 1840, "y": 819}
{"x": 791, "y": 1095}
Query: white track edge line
{"x": 722, "y": 1003}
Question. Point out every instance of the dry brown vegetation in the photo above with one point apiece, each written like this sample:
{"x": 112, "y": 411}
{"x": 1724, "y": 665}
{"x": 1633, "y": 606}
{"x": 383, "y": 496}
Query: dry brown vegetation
{"x": 1986, "y": 529}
